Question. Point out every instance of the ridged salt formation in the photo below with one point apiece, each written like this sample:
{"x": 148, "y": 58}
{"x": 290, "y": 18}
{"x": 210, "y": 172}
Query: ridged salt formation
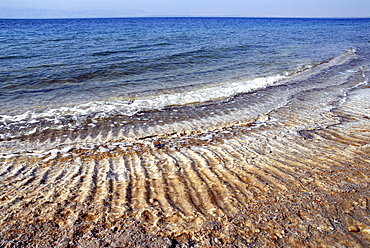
{"x": 287, "y": 166}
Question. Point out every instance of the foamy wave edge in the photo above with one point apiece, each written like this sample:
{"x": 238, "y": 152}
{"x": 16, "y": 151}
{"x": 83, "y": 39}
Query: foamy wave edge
{"x": 97, "y": 110}
{"x": 71, "y": 116}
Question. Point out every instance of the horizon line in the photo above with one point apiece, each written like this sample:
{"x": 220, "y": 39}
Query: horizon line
{"x": 189, "y": 16}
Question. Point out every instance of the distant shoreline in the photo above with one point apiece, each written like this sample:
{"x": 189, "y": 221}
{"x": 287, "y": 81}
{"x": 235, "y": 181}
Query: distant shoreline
{"x": 223, "y": 17}
{"x": 182, "y": 16}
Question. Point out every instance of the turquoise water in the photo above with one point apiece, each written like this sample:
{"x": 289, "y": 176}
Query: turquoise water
{"x": 68, "y": 72}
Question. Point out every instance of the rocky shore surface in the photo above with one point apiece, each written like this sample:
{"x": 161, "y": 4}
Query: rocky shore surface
{"x": 296, "y": 176}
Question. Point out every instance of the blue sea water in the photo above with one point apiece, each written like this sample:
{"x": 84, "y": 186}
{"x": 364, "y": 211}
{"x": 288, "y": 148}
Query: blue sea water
{"x": 86, "y": 69}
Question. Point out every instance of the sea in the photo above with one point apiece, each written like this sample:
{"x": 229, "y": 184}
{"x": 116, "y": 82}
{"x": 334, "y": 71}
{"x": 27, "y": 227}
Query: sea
{"x": 131, "y": 74}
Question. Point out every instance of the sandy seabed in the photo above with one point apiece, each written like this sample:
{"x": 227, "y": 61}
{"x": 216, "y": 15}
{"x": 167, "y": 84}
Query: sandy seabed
{"x": 297, "y": 176}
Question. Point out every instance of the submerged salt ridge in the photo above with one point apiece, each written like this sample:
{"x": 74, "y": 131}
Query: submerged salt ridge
{"x": 108, "y": 121}
{"x": 97, "y": 110}
{"x": 90, "y": 113}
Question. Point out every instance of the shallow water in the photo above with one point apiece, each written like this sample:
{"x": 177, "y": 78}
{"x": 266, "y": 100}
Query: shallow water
{"x": 58, "y": 74}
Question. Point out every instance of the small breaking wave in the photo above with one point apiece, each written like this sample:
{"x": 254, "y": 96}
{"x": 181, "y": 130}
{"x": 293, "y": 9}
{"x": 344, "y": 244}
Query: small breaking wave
{"x": 69, "y": 116}
{"x": 40, "y": 119}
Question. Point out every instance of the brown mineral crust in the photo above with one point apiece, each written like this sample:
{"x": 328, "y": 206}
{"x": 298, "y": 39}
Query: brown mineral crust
{"x": 353, "y": 229}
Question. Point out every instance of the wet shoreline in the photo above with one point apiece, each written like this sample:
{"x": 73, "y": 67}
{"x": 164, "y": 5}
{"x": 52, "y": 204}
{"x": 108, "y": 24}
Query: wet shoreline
{"x": 294, "y": 175}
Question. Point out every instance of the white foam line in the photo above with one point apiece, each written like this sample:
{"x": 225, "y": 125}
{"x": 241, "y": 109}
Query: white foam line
{"x": 28, "y": 122}
{"x": 102, "y": 109}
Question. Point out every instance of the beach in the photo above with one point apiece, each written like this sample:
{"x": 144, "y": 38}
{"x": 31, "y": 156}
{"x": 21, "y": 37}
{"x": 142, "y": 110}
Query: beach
{"x": 184, "y": 132}
{"x": 295, "y": 176}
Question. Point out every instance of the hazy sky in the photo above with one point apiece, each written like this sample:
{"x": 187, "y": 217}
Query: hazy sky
{"x": 123, "y": 8}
